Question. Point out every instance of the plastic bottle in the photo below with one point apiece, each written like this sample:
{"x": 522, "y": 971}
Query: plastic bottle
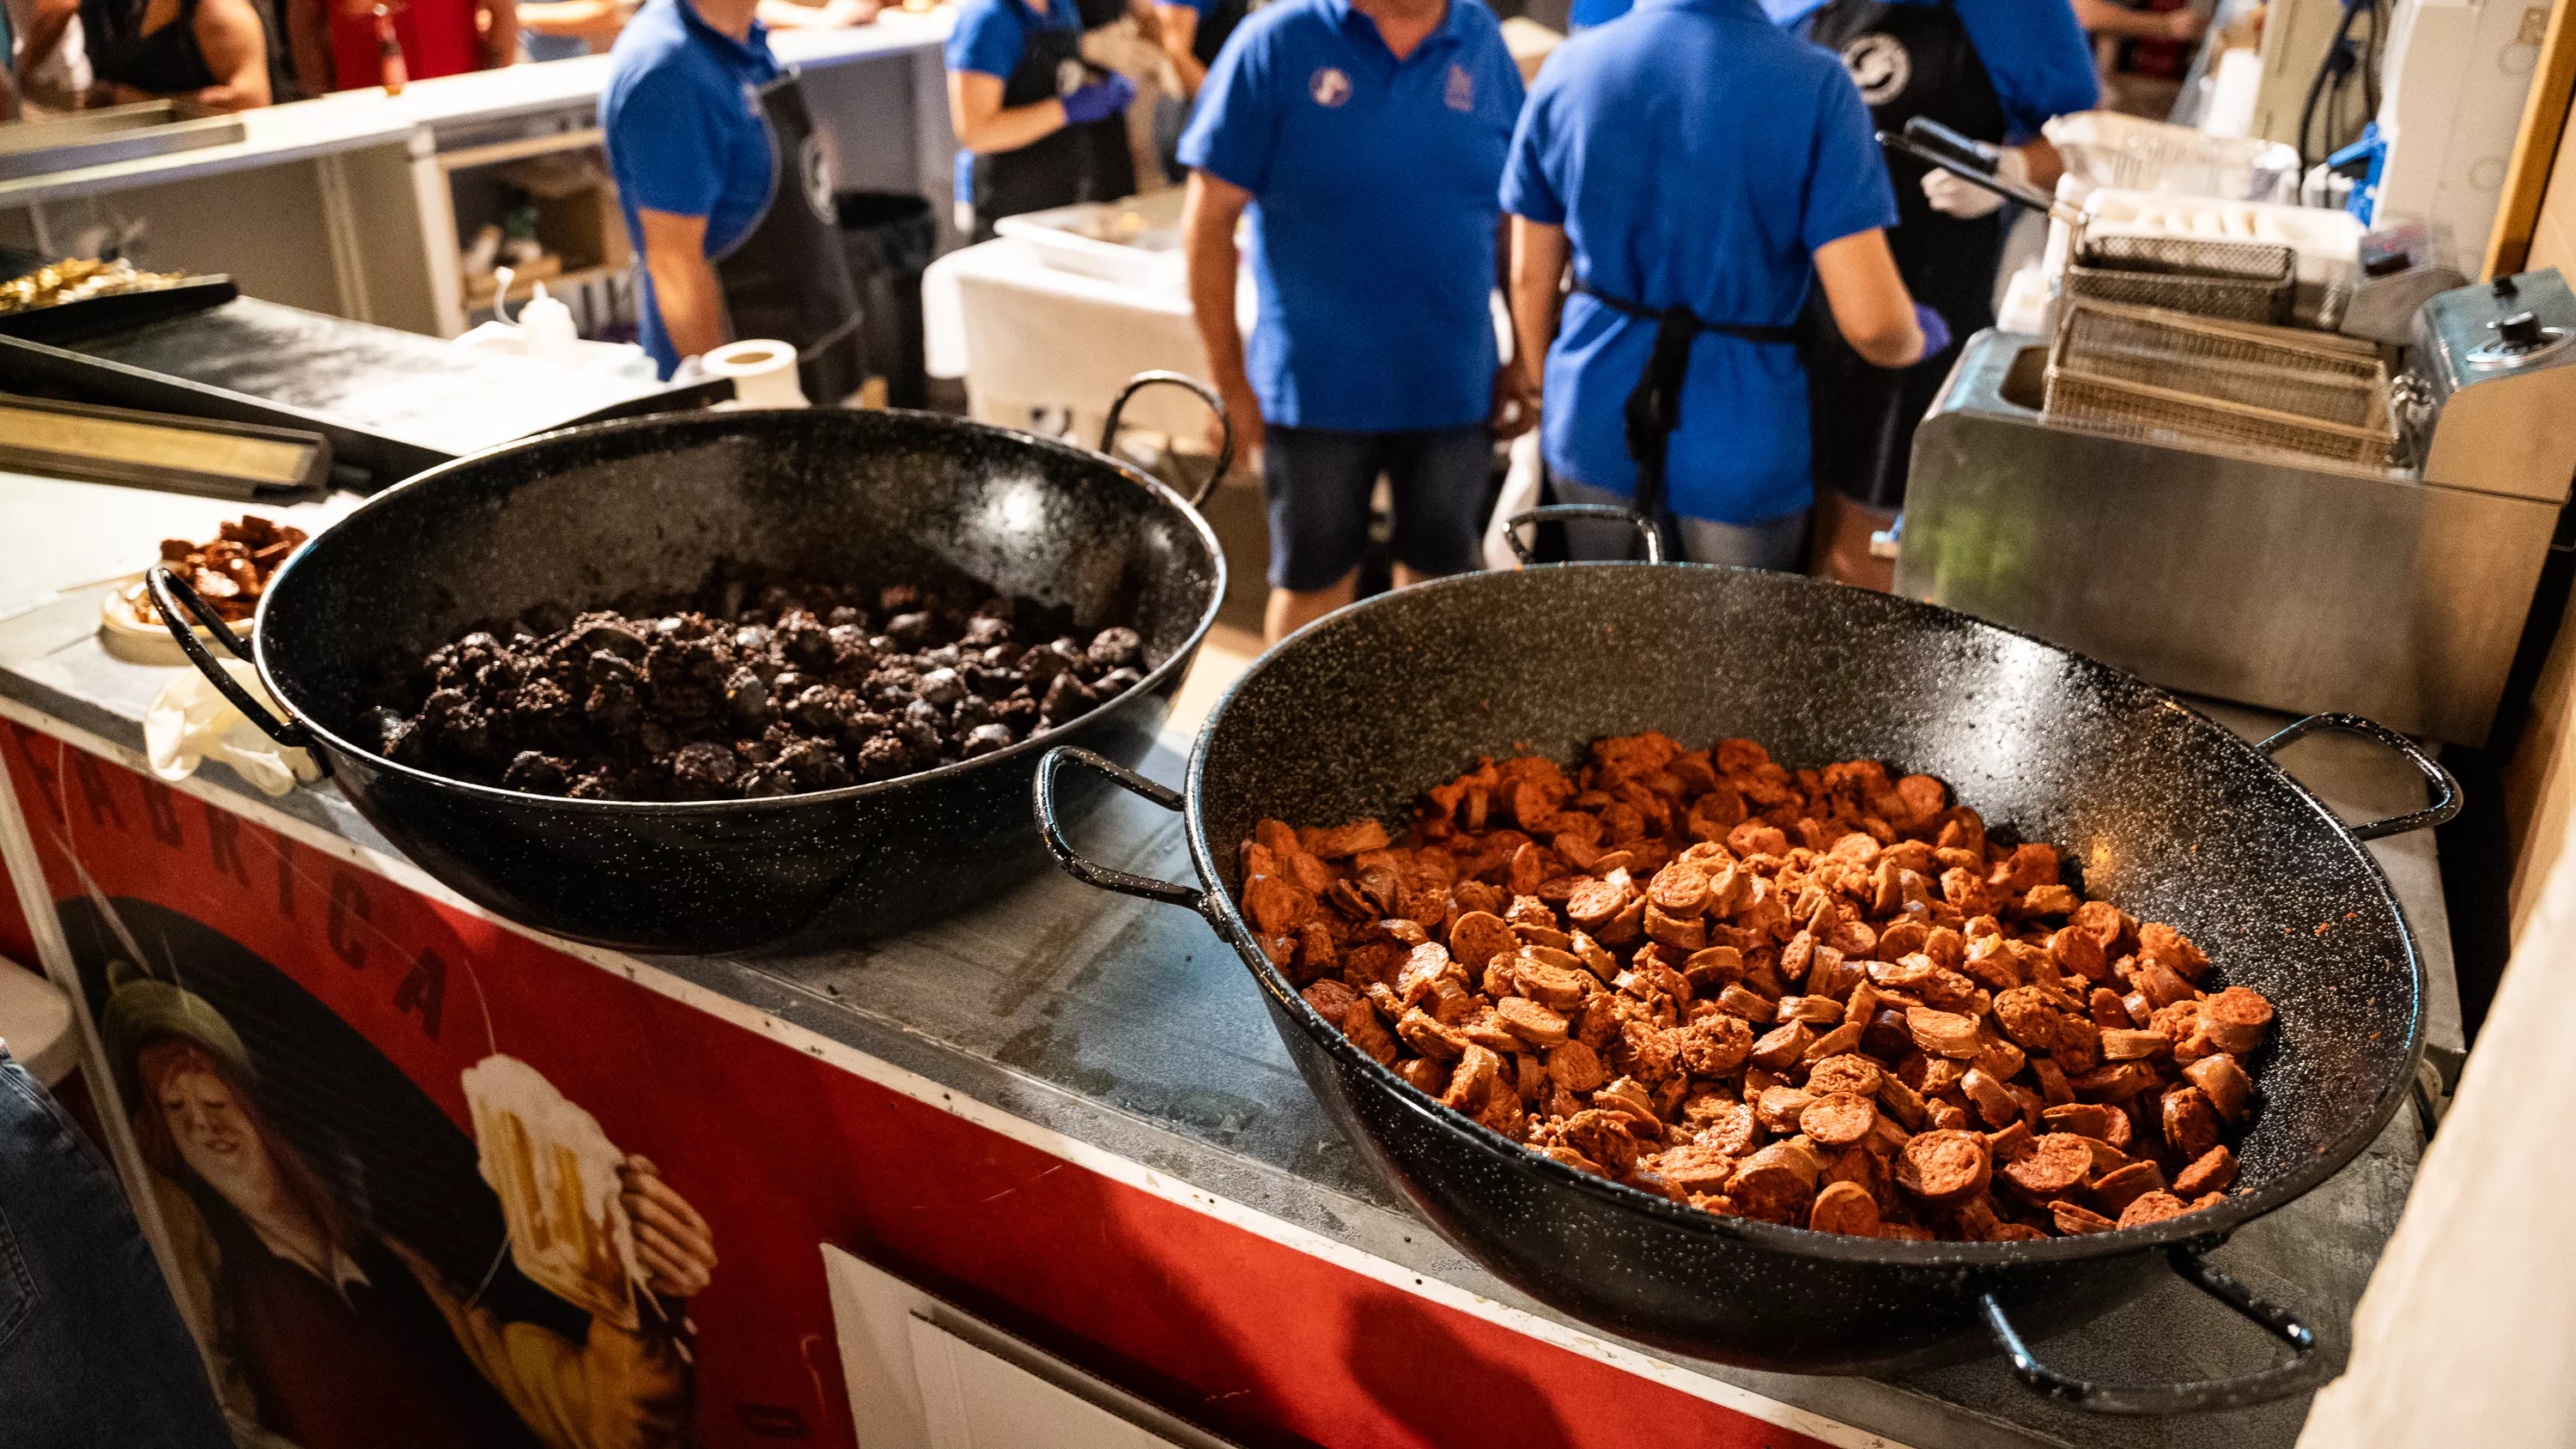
{"x": 546, "y": 327}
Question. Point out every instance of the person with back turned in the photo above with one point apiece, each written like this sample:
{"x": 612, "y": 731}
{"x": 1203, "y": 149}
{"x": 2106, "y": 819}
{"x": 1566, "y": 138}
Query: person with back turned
{"x": 727, "y": 194}
{"x": 1366, "y": 139}
{"x": 1703, "y": 170}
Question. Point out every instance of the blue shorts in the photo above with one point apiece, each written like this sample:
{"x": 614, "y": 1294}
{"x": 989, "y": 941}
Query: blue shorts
{"x": 1318, "y": 481}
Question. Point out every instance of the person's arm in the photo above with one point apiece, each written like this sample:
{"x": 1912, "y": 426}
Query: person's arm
{"x": 1208, "y": 217}
{"x": 45, "y": 34}
{"x": 1871, "y": 307}
{"x": 308, "y": 45}
{"x": 830, "y": 15}
{"x": 685, "y": 290}
{"x": 499, "y": 22}
{"x": 1539, "y": 252}
{"x": 236, "y": 50}
{"x": 573, "y": 19}
{"x": 984, "y": 125}
{"x": 2109, "y": 17}
{"x": 1180, "y": 31}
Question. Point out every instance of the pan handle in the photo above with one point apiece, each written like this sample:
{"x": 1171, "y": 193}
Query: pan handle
{"x": 2445, "y": 785}
{"x": 1206, "y": 394}
{"x": 1091, "y": 872}
{"x": 2202, "y": 1396}
{"x": 169, "y": 592}
{"x": 1654, "y": 536}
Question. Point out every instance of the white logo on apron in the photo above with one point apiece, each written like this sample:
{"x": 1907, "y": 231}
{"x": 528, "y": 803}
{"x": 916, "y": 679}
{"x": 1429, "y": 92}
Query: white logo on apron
{"x": 1880, "y": 66}
{"x": 1462, "y": 88}
{"x": 1329, "y": 87}
{"x": 816, "y": 165}
{"x": 1070, "y": 76}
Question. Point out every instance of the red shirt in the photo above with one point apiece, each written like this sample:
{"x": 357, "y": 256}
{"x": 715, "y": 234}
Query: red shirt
{"x": 438, "y": 38}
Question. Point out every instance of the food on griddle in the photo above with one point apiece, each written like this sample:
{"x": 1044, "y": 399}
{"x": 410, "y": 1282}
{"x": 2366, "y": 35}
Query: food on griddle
{"x": 77, "y": 280}
{"x": 744, "y": 692}
{"x": 1821, "y": 998}
{"x": 230, "y": 571}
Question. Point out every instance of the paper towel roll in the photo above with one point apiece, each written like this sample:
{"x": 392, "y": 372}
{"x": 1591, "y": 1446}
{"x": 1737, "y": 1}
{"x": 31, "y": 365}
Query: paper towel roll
{"x": 763, "y": 373}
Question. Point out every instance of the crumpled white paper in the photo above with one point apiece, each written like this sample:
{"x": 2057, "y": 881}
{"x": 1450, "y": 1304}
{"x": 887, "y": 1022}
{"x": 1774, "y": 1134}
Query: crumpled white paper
{"x": 191, "y": 721}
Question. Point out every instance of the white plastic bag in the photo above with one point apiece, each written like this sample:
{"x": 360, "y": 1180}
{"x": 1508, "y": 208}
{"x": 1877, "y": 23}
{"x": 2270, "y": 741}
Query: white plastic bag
{"x": 191, "y": 721}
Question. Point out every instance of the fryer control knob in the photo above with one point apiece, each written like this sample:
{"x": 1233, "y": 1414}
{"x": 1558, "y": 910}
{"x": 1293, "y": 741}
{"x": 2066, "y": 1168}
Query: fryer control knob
{"x": 2505, "y": 290}
{"x": 2519, "y": 333}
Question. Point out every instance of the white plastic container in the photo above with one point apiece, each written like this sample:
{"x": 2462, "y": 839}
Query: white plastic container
{"x": 1136, "y": 242}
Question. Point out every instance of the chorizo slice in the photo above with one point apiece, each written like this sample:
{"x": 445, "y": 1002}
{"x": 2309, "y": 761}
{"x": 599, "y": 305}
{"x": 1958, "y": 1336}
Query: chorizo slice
{"x": 1779, "y": 1049}
{"x": 2121, "y": 1044}
{"x": 1722, "y": 1123}
{"x": 1716, "y": 1045}
{"x": 1848, "y": 1072}
{"x": 1774, "y": 1183}
{"x": 2056, "y": 1165}
{"x": 2012, "y": 1143}
{"x": 1577, "y": 1068}
{"x": 1277, "y": 907}
{"x": 1558, "y": 988}
{"x": 1680, "y": 890}
{"x": 1426, "y": 1034}
{"x": 1361, "y": 1023}
{"x": 1900, "y": 1101}
{"x": 2190, "y": 1122}
{"x": 1595, "y": 903}
{"x": 1330, "y": 998}
{"x": 2234, "y": 1020}
{"x": 2223, "y": 1082}
{"x": 1841, "y": 1041}
{"x": 1845, "y": 1207}
{"x": 1943, "y": 1033}
{"x": 1944, "y": 1167}
{"x": 1479, "y": 937}
{"x": 1477, "y": 1071}
{"x": 2211, "y": 1172}
{"x": 1989, "y": 1097}
{"x": 2074, "y": 1218}
{"x": 1696, "y": 1167}
{"x": 1839, "y": 1120}
{"x": 1781, "y": 1107}
{"x": 1426, "y": 1075}
{"x": 2115, "y": 1190}
{"x": 2151, "y": 1207}
{"x": 1532, "y": 1023}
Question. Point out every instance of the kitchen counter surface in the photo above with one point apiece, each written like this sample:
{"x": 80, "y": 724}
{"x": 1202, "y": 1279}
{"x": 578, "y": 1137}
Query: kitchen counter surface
{"x": 348, "y": 120}
{"x": 1128, "y": 1027}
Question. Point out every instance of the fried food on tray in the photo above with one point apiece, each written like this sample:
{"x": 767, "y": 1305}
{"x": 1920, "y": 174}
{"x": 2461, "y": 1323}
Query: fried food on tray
{"x": 1819, "y": 998}
{"x": 77, "y": 279}
{"x": 229, "y": 572}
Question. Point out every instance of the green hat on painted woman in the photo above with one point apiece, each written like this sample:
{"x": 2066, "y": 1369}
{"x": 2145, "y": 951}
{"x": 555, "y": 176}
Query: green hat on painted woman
{"x": 142, "y": 1009}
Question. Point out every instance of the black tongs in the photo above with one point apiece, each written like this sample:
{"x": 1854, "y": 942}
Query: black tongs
{"x": 1934, "y": 144}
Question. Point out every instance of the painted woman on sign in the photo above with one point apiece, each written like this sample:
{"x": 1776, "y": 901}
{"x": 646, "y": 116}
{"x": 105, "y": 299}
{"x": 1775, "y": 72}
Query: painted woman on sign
{"x": 322, "y": 1333}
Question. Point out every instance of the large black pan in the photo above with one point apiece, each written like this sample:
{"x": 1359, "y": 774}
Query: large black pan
{"x": 588, "y": 514}
{"x": 2161, "y": 810}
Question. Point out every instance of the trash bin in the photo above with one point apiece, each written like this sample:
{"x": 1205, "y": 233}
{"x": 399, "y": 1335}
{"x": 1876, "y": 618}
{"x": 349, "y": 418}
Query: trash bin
{"x": 890, "y": 239}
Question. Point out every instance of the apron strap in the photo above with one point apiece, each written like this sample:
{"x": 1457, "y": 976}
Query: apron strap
{"x": 1654, "y": 407}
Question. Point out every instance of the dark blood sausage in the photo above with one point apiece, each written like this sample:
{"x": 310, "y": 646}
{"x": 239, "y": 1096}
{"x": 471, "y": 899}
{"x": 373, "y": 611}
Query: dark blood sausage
{"x": 1824, "y": 998}
{"x": 748, "y": 689}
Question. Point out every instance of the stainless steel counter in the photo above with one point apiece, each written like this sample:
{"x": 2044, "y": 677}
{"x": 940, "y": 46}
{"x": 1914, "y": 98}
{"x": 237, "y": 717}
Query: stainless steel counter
{"x": 1128, "y": 1027}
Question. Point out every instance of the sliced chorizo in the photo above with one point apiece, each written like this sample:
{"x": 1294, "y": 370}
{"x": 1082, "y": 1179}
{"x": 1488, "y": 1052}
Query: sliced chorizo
{"x": 2211, "y": 1172}
{"x": 2056, "y": 1165}
{"x": 1944, "y": 1167}
{"x": 1839, "y": 1120}
{"x": 1844, "y": 1207}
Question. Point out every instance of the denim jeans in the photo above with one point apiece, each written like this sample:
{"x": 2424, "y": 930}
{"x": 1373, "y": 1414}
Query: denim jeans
{"x": 92, "y": 1350}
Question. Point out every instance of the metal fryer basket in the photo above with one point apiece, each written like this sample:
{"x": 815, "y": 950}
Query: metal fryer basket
{"x": 2150, "y": 373}
{"x": 2245, "y": 281}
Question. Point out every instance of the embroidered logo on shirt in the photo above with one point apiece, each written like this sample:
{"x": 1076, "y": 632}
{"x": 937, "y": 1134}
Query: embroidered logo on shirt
{"x": 1462, "y": 88}
{"x": 1880, "y": 66}
{"x": 1329, "y": 87}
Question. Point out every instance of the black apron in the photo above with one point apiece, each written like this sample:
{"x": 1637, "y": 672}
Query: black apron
{"x": 1077, "y": 163}
{"x": 169, "y": 62}
{"x": 1654, "y": 406}
{"x": 1215, "y": 24}
{"x": 1909, "y": 60}
{"x": 788, "y": 278}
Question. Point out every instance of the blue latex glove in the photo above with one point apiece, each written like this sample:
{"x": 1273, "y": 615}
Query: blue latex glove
{"x": 1936, "y": 333}
{"x": 1099, "y": 100}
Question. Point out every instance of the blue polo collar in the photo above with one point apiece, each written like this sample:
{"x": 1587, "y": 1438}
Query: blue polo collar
{"x": 751, "y": 51}
{"x": 1450, "y": 30}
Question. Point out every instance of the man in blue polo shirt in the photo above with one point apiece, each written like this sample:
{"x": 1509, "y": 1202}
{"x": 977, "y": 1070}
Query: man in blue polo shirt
{"x": 1675, "y": 381}
{"x": 1366, "y": 137}
{"x": 726, "y": 197}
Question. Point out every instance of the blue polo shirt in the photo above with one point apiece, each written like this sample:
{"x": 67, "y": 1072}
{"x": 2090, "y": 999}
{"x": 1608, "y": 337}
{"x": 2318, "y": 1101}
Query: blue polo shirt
{"x": 2037, "y": 56}
{"x": 1373, "y": 213}
{"x": 990, "y": 36}
{"x": 685, "y": 134}
{"x": 1694, "y": 153}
